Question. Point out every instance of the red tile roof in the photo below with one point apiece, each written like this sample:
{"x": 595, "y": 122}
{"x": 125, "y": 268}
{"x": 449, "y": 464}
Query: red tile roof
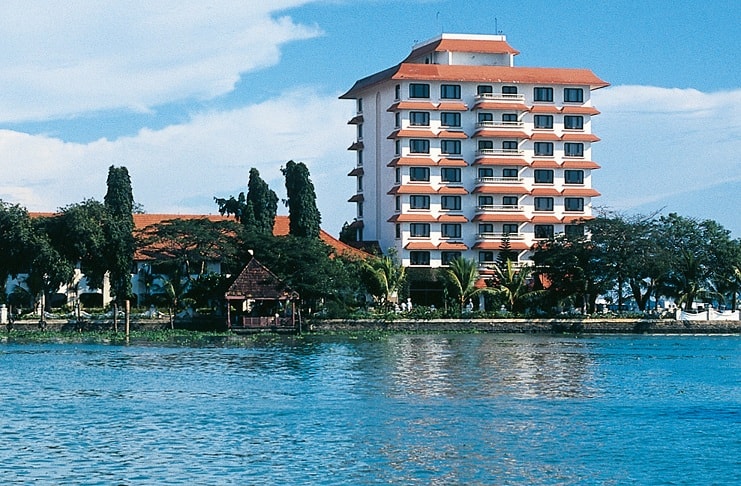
{"x": 465, "y": 45}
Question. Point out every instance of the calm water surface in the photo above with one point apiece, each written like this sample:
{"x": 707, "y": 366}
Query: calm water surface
{"x": 403, "y": 409}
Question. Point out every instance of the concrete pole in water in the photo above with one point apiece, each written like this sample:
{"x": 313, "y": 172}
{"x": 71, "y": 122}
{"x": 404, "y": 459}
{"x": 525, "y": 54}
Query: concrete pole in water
{"x": 127, "y": 314}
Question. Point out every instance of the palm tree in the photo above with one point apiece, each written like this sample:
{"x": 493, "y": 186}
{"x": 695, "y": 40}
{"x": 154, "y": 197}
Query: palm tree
{"x": 461, "y": 277}
{"x": 513, "y": 284}
{"x": 383, "y": 277}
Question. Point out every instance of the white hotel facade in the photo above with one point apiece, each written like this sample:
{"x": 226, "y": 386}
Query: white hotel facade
{"x": 458, "y": 150}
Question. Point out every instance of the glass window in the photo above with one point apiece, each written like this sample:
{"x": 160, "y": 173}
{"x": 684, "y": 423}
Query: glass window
{"x": 573, "y": 176}
{"x": 450, "y": 230}
{"x": 419, "y": 174}
{"x": 509, "y": 228}
{"x": 360, "y": 209}
{"x": 544, "y": 204}
{"x": 417, "y": 146}
{"x": 543, "y": 94}
{"x": 543, "y": 121}
{"x": 543, "y": 176}
{"x": 486, "y": 172}
{"x": 486, "y": 228}
{"x": 574, "y": 230}
{"x": 571, "y": 149}
{"x": 509, "y": 201}
{"x": 360, "y": 131}
{"x": 452, "y": 147}
{"x": 398, "y": 203}
{"x": 419, "y": 90}
{"x": 573, "y": 95}
{"x": 397, "y": 91}
{"x": 450, "y": 119}
{"x": 573, "y": 122}
{"x": 449, "y": 256}
{"x": 449, "y": 174}
{"x": 419, "y": 257}
{"x": 486, "y": 144}
{"x": 419, "y": 230}
{"x": 450, "y": 91}
{"x": 450, "y": 203}
{"x": 509, "y": 117}
{"x": 486, "y": 200}
{"x": 543, "y": 231}
{"x": 360, "y": 157}
{"x": 397, "y": 175}
{"x": 419, "y": 202}
{"x": 509, "y": 173}
{"x": 509, "y": 89}
{"x": 510, "y": 145}
{"x": 398, "y": 231}
{"x": 486, "y": 256}
{"x": 360, "y": 183}
{"x": 486, "y": 117}
{"x": 397, "y": 119}
{"x": 397, "y": 147}
{"x": 419, "y": 119}
{"x": 573, "y": 203}
{"x": 543, "y": 148}
{"x": 484, "y": 89}
{"x": 360, "y": 105}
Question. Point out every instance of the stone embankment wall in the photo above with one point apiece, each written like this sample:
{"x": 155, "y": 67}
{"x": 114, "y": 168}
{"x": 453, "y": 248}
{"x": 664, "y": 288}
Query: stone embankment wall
{"x": 590, "y": 326}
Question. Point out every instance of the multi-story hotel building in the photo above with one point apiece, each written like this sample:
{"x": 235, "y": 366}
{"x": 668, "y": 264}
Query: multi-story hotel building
{"x": 459, "y": 151}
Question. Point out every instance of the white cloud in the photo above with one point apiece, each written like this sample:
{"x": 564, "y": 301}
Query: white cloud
{"x": 660, "y": 143}
{"x": 182, "y": 167}
{"x": 64, "y": 58}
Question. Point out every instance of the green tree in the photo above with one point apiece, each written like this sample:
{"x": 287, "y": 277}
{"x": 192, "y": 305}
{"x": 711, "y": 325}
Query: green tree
{"x": 257, "y": 210}
{"x": 506, "y": 253}
{"x": 17, "y": 234}
{"x": 514, "y": 285}
{"x": 305, "y": 220}
{"x": 384, "y": 277}
{"x": 460, "y": 278}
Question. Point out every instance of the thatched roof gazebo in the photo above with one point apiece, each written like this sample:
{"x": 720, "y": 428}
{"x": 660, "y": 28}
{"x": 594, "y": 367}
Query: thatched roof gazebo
{"x": 259, "y": 301}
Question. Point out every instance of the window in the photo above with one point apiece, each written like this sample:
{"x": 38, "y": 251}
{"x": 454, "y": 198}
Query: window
{"x": 419, "y": 90}
{"x": 450, "y": 119}
{"x": 486, "y": 172}
{"x": 574, "y": 230}
{"x": 543, "y": 176}
{"x": 360, "y": 131}
{"x": 418, "y": 174}
{"x": 419, "y": 257}
{"x": 543, "y": 121}
{"x": 544, "y": 204}
{"x": 486, "y": 117}
{"x": 449, "y": 256}
{"x": 486, "y": 145}
{"x": 450, "y": 91}
{"x": 360, "y": 183}
{"x": 486, "y": 228}
{"x": 543, "y": 94}
{"x": 573, "y": 176}
{"x": 543, "y": 231}
{"x": 397, "y": 147}
{"x": 360, "y": 105}
{"x": 510, "y": 201}
{"x": 449, "y": 230}
{"x": 419, "y": 230}
{"x": 419, "y": 202}
{"x": 448, "y": 174}
{"x": 397, "y": 175}
{"x": 509, "y": 118}
{"x": 573, "y": 149}
{"x": 419, "y": 119}
{"x": 573, "y": 203}
{"x": 573, "y": 95}
{"x": 398, "y": 231}
{"x": 397, "y": 92}
{"x": 397, "y": 203}
{"x": 397, "y": 119}
{"x": 450, "y": 203}
{"x": 509, "y": 228}
{"x": 573, "y": 122}
{"x": 360, "y": 157}
{"x": 484, "y": 89}
{"x": 360, "y": 210}
{"x": 509, "y": 173}
{"x": 486, "y": 256}
{"x": 486, "y": 200}
{"x": 510, "y": 145}
{"x": 450, "y": 147}
{"x": 543, "y": 148}
{"x": 419, "y": 146}
{"x": 509, "y": 90}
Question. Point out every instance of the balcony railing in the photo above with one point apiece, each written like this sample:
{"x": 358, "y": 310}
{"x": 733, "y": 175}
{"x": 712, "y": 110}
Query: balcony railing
{"x": 495, "y": 208}
{"x": 500, "y": 236}
{"x": 484, "y": 265}
{"x": 499, "y": 124}
{"x": 498, "y": 152}
{"x": 499, "y": 180}
{"x": 499, "y": 97}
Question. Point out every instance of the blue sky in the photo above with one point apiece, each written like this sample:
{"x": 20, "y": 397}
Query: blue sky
{"x": 190, "y": 94}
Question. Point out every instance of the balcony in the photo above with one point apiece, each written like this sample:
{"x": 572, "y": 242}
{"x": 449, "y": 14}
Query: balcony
{"x": 498, "y": 152}
{"x": 500, "y": 97}
{"x": 499, "y": 180}
{"x": 499, "y": 208}
{"x": 500, "y": 236}
{"x": 499, "y": 124}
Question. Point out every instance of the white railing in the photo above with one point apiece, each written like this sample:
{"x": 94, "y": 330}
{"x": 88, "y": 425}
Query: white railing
{"x": 500, "y": 97}
{"x": 499, "y": 180}
{"x": 499, "y": 124}
{"x": 499, "y": 208}
{"x": 499, "y": 151}
{"x": 500, "y": 236}
{"x": 488, "y": 265}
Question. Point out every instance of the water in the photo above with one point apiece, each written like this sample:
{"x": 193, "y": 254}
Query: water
{"x": 404, "y": 409}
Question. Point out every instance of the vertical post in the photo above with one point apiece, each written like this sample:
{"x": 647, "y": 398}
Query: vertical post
{"x": 127, "y": 318}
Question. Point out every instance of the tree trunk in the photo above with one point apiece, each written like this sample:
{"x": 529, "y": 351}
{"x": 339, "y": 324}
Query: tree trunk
{"x": 115, "y": 317}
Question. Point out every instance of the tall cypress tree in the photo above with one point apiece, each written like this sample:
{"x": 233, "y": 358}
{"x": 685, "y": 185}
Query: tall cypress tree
{"x": 119, "y": 230}
{"x": 304, "y": 216}
{"x": 257, "y": 210}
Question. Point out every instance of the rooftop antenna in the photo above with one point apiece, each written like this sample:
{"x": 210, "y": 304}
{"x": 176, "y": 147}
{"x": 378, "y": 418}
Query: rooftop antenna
{"x": 439, "y": 24}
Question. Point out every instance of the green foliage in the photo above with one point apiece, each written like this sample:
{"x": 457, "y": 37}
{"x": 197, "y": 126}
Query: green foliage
{"x": 257, "y": 210}
{"x": 17, "y": 234}
{"x": 119, "y": 232}
{"x": 383, "y": 277}
{"x": 514, "y": 285}
{"x": 305, "y": 220}
{"x": 460, "y": 279}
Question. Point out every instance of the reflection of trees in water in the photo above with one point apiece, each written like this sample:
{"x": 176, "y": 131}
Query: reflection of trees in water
{"x": 491, "y": 365}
